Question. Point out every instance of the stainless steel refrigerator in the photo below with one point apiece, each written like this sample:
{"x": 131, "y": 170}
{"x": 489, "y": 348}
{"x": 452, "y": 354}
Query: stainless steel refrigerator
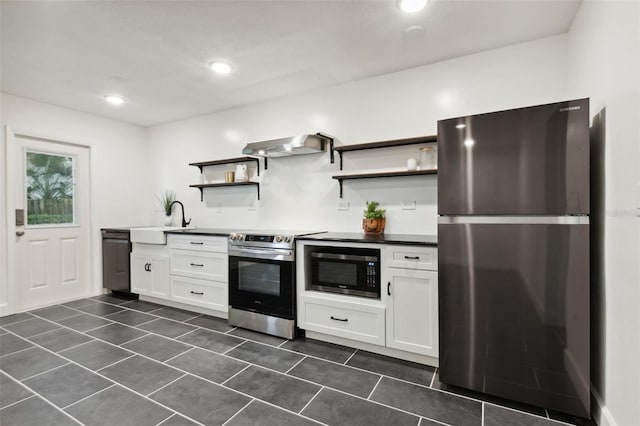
{"x": 513, "y": 248}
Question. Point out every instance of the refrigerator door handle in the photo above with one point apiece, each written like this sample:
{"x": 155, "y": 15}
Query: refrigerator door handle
{"x": 517, "y": 220}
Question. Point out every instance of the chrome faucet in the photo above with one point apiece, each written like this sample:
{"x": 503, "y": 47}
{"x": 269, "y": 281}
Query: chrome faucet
{"x": 184, "y": 222}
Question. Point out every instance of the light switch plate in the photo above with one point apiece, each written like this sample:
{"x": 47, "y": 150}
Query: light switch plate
{"x": 343, "y": 205}
{"x": 408, "y": 205}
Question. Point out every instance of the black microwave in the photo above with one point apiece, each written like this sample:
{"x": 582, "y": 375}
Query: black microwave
{"x": 345, "y": 270}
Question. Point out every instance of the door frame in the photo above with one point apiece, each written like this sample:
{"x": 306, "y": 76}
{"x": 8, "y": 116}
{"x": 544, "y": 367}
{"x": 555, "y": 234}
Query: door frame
{"x": 10, "y": 203}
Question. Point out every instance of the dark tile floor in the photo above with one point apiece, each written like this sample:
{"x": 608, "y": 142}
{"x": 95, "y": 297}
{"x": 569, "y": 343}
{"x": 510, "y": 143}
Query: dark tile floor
{"x": 109, "y": 361}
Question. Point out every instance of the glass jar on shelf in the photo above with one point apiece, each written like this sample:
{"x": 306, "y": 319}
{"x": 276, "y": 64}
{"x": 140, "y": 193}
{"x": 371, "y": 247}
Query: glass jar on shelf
{"x": 428, "y": 158}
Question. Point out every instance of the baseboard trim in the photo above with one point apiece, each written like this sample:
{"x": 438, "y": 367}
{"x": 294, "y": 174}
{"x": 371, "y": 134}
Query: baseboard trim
{"x": 599, "y": 412}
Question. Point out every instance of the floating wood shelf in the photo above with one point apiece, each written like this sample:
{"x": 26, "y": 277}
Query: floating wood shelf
{"x": 341, "y": 178}
{"x": 202, "y": 164}
{"x": 202, "y": 186}
{"x": 384, "y": 144}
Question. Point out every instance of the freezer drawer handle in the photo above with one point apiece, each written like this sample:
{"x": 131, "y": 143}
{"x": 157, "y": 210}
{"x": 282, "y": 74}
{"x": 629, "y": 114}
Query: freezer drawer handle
{"x": 389, "y": 288}
{"x": 339, "y": 319}
{"x": 199, "y": 293}
{"x": 197, "y": 243}
{"x": 197, "y": 264}
{"x": 412, "y": 257}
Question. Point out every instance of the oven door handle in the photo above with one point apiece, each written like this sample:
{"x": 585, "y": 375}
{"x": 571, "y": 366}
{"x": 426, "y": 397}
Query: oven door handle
{"x": 338, "y": 256}
{"x": 260, "y": 253}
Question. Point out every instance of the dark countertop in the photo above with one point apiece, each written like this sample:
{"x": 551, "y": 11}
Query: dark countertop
{"x": 202, "y": 231}
{"x": 356, "y": 237}
{"x": 119, "y": 228}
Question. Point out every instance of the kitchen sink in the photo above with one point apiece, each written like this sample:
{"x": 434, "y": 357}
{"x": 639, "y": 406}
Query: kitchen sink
{"x": 151, "y": 234}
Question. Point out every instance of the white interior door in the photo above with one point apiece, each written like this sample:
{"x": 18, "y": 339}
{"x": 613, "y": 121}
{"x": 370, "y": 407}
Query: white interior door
{"x": 52, "y": 257}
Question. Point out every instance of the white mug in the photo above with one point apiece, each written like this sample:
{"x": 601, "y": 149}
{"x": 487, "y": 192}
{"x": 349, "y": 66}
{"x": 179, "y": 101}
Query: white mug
{"x": 412, "y": 164}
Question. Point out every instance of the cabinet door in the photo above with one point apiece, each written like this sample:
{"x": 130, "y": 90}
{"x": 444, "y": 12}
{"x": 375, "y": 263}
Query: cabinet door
{"x": 140, "y": 276}
{"x": 412, "y": 310}
{"x": 160, "y": 276}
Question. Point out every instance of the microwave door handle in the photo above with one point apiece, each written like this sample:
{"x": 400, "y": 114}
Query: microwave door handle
{"x": 335, "y": 256}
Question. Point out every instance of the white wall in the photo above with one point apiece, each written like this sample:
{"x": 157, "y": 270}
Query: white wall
{"x": 604, "y": 64}
{"x": 120, "y": 181}
{"x": 298, "y": 192}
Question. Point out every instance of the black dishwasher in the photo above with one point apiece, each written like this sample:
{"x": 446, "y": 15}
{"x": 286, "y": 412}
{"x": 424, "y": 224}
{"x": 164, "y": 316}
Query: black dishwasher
{"x": 116, "y": 250}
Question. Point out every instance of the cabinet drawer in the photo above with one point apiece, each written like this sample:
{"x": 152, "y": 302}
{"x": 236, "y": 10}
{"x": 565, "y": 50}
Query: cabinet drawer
{"x": 198, "y": 242}
{"x": 410, "y": 257}
{"x": 366, "y": 324}
{"x": 200, "y": 264}
{"x": 207, "y": 294}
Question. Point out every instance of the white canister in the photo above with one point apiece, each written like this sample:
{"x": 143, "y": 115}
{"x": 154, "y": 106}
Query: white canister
{"x": 412, "y": 164}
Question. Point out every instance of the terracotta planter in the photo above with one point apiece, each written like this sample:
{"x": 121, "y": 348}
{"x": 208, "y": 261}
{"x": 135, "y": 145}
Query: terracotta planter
{"x": 373, "y": 226}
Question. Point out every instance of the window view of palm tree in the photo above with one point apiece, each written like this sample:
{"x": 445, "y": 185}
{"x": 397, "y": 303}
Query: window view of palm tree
{"x": 49, "y": 189}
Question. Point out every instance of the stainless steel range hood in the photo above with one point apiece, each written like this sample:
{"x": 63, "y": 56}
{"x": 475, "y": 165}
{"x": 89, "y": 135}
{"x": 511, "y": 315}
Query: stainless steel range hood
{"x": 285, "y": 147}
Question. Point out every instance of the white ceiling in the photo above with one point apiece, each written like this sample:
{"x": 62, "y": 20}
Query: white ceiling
{"x": 155, "y": 53}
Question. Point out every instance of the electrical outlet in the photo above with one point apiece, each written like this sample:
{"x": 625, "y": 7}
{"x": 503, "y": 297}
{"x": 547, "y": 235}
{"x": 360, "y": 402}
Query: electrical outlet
{"x": 343, "y": 205}
{"x": 409, "y": 205}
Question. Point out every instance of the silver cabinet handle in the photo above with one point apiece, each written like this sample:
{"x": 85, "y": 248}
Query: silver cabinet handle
{"x": 339, "y": 319}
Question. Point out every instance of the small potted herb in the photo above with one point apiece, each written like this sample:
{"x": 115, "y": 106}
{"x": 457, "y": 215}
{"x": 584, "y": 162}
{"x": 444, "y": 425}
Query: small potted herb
{"x": 374, "y": 218}
{"x": 166, "y": 199}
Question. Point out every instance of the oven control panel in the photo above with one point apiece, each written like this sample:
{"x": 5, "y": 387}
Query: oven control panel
{"x": 261, "y": 240}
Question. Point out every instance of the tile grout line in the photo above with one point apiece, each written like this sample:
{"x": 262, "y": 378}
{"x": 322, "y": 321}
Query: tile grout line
{"x": 351, "y": 356}
{"x": 374, "y": 388}
{"x": 184, "y": 334}
{"x": 40, "y": 334}
{"x": 312, "y": 398}
{"x": 164, "y": 386}
{"x": 114, "y": 363}
{"x": 236, "y": 346}
{"x": 176, "y": 356}
{"x": 280, "y": 346}
{"x": 229, "y": 331}
{"x": 75, "y": 346}
{"x": 482, "y": 415}
{"x": 295, "y": 365}
{"x": 238, "y": 412}
{"x": 44, "y": 372}
{"x": 433, "y": 378}
{"x": 18, "y": 351}
{"x": 133, "y": 340}
{"x": 18, "y": 401}
{"x": 238, "y": 373}
{"x": 88, "y": 396}
{"x": 181, "y": 416}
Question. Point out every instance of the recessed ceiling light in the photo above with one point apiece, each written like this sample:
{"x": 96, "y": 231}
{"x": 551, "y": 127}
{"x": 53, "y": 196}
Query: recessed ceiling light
{"x": 114, "y": 99}
{"x": 220, "y": 67}
{"x": 411, "y": 6}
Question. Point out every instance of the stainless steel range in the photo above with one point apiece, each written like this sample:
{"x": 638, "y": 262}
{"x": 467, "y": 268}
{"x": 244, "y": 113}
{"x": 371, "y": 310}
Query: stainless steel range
{"x": 262, "y": 281}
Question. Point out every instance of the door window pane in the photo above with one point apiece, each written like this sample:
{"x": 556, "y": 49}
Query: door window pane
{"x": 50, "y": 189}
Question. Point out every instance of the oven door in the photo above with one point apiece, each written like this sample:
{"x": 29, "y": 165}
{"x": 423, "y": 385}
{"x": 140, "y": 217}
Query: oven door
{"x": 260, "y": 285}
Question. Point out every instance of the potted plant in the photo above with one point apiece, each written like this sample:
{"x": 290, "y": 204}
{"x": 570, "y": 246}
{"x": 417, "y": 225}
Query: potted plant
{"x": 166, "y": 199}
{"x": 374, "y": 218}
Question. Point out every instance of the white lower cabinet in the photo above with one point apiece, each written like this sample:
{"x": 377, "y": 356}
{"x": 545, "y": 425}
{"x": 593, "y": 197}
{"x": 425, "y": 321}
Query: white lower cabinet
{"x": 203, "y": 293}
{"x": 348, "y": 320}
{"x": 200, "y": 272}
{"x": 412, "y": 314}
{"x": 150, "y": 270}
